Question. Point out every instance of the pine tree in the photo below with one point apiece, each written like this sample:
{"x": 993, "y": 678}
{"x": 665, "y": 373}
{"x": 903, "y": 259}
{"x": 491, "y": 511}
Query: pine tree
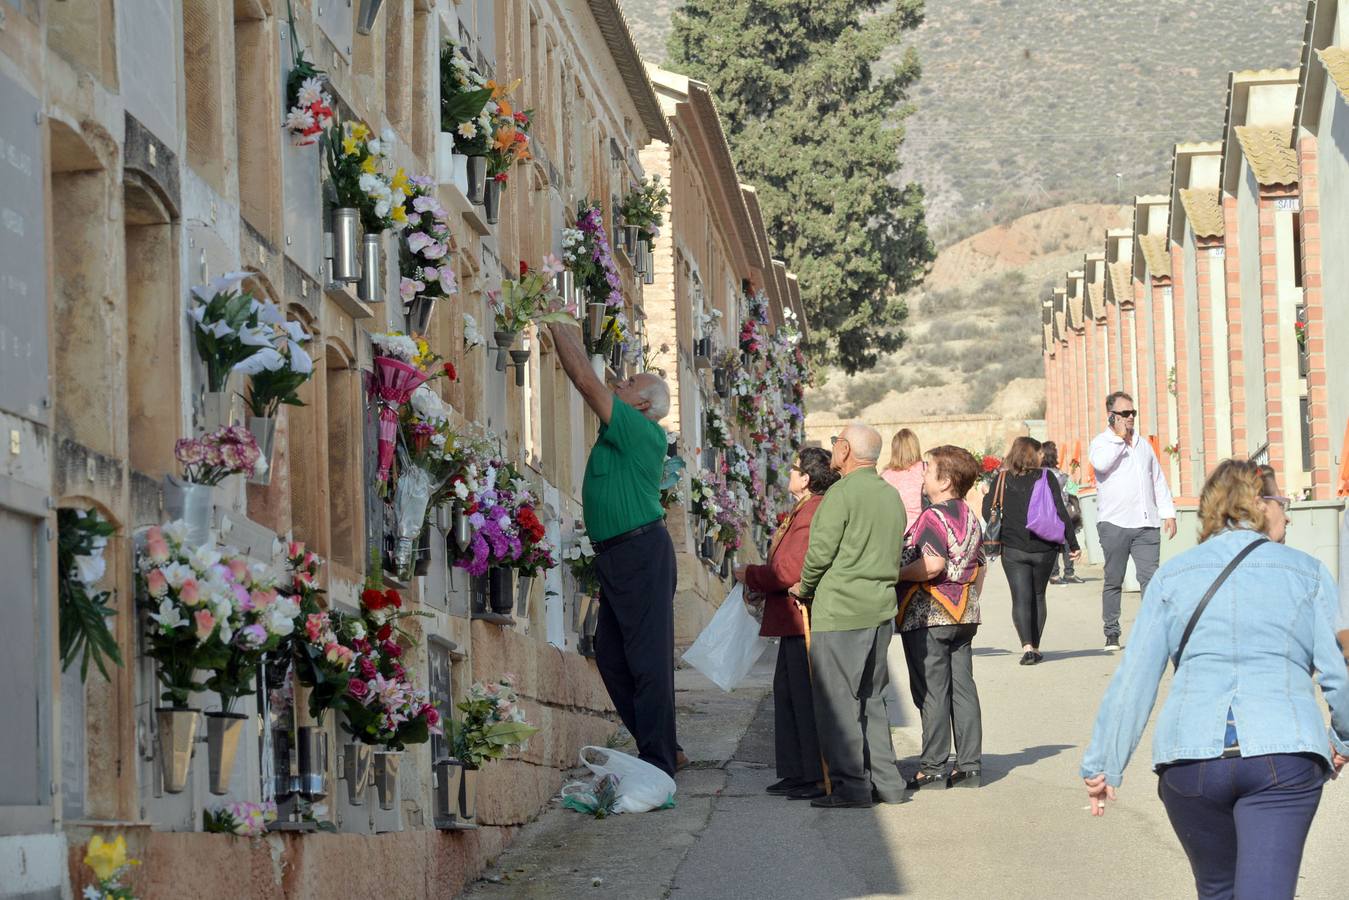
{"x": 815, "y": 126}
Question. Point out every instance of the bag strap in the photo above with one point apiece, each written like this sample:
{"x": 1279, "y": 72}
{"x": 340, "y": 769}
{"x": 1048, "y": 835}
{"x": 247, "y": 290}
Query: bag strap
{"x": 1213, "y": 589}
{"x": 997, "y": 497}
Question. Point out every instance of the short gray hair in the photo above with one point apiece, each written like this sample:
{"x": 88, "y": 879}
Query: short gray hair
{"x": 658, "y": 392}
{"x": 865, "y": 441}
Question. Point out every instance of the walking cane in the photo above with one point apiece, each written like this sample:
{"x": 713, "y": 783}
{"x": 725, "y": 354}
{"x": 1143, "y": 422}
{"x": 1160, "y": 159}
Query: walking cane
{"x": 824, "y": 765}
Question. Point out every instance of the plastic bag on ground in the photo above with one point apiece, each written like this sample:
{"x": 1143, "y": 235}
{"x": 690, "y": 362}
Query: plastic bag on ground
{"x": 730, "y": 644}
{"x": 639, "y": 786}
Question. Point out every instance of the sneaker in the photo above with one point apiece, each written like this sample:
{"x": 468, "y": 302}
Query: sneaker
{"x": 1113, "y": 644}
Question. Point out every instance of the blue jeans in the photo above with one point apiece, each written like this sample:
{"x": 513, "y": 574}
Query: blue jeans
{"x": 1242, "y": 822}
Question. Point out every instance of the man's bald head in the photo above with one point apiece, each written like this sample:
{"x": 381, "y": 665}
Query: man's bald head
{"x": 865, "y": 442}
{"x": 647, "y": 393}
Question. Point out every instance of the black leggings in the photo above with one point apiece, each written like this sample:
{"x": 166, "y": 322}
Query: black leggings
{"x": 1028, "y": 576}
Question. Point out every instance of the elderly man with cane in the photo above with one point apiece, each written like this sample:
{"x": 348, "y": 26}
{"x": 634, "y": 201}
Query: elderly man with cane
{"x": 634, "y": 642}
{"x": 849, "y": 577}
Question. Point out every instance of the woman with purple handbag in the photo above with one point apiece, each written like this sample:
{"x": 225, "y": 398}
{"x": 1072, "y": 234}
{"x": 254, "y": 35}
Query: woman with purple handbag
{"x": 1035, "y": 527}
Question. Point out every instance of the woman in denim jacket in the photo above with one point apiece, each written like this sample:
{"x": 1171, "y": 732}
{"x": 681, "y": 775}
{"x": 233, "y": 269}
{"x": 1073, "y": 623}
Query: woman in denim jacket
{"x": 1240, "y": 746}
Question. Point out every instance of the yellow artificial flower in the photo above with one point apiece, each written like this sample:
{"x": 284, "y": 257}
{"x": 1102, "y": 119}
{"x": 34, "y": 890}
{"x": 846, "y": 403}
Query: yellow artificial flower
{"x": 358, "y": 131}
{"x": 499, "y": 91}
{"x": 504, "y": 138}
{"x": 370, "y": 166}
{"x": 349, "y": 145}
{"x": 105, "y": 858}
{"x": 400, "y": 181}
{"x": 398, "y": 214}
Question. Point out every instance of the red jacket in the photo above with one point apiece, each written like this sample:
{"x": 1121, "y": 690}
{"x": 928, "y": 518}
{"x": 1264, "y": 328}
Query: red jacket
{"x": 782, "y": 616}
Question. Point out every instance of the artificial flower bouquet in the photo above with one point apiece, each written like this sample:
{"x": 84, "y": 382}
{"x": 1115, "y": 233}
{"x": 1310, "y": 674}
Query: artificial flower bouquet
{"x": 231, "y": 327}
{"x": 579, "y": 555}
{"x": 213, "y": 457}
{"x": 644, "y": 206}
{"x": 243, "y": 818}
{"x": 310, "y": 108}
{"x": 587, "y": 255}
{"x": 530, "y": 298}
{"x": 510, "y": 140}
{"x": 401, "y": 365}
{"x": 493, "y": 722}
{"x": 319, "y": 649}
{"x": 736, "y": 465}
{"x": 110, "y": 865}
{"x": 357, "y": 160}
{"x": 716, "y": 433}
{"x": 277, "y": 373}
{"x": 383, "y": 708}
{"x": 464, "y": 95}
{"x": 84, "y": 610}
{"x": 424, "y": 267}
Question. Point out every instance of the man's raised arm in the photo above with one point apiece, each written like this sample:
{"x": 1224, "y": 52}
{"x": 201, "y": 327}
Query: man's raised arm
{"x": 571, "y": 353}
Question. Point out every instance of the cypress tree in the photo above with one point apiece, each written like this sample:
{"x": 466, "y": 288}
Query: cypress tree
{"x": 814, "y": 121}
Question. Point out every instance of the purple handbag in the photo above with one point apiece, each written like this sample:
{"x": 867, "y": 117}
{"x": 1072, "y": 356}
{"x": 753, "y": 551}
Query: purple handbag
{"x": 1042, "y": 516}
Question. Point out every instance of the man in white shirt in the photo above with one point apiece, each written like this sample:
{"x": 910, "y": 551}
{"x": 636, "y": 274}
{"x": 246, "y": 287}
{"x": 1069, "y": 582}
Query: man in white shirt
{"x": 1133, "y": 506}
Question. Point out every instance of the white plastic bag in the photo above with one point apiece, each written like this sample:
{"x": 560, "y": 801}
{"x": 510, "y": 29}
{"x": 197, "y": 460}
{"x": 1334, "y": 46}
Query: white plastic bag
{"x": 641, "y": 786}
{"x": 729, "y": 645}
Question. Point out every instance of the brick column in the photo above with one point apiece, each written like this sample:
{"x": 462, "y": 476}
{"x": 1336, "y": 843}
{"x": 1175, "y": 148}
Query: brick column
{"x": 1236, "y": 366}
{"x": 1208, "y": 412}
{"x": 1142, "y": 354}
{"x": 1186, "y": 427}
{"x": 1269, "y": 324}
{"x": 1127, "y": 343}
{"x": 1048, "y": 368}
{"x": 1093, "y": 363}
{"x": 1115, "y": 342}
{"x": 1322, "y": 429}
{"x": 1161, "y": 398}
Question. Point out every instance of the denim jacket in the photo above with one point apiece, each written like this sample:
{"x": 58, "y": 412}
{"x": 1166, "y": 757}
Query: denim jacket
{"x": 1254, "y": 650}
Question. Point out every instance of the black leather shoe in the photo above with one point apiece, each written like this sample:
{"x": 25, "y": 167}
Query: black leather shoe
{"x": 1039, "y": 657}
{"x": 809, "y": 792}
{"x": 786, "y": 786}
{"x": 970, "y": 779}
{"x": 834, "y": 801}
{"x": 1028, "y": 658}
{"x": 922, "y": 780}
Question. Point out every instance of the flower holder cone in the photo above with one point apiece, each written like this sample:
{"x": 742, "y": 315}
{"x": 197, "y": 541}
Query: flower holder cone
{"x": 595, "y": 314}
{"x": 477, "y": 179}
{"x": 357, "y": 761}
{"x": 263, "y": 429}
{"x": 370, "y": 287}
{"x": 449, "y": 775}
{"x": 463, "y": 531}
{"x": 385, "y": 775}
{"x": 523, "y": 587}
{"x": 176, "y": 729}
{"x": 491, "y": 201}
{"x": 419, "y": 314}
{"x": 505, "y": 340}
{"x": 500, "y": 590}
{"x": 313, "y": 760}
{"x": 223, "y": 733}
{"x": 346, "y": 245}
{"x": 193, "y": 504}
{"x": 520, "y": 360}
{"x": 468, "y": 795}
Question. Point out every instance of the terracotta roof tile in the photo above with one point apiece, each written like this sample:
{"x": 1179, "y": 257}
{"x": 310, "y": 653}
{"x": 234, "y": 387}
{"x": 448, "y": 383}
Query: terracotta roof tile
{"x": 1096, "y": 299}
{"x": 1336, "y": 61}
{"x": 1203, "y": 210}
{"x": 1120, "y": 287}
{"x": 1075, "y": 315}
{"x": 1155, "y": 254}
{"x": 1270, "y": 154}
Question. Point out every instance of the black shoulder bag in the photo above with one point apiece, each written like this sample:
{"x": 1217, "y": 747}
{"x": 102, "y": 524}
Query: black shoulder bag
{"x": 1213, "y": 589}
{"x": 993, "y": 530}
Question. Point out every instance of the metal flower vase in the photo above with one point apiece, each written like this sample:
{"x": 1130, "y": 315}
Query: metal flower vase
{"x": 641, "y": 262}
{"x": 520, "y": 360}
{"x": 191, "y": 503}
{"x": 649, "y": 266}
{"x": 449, "y": 775}
{"x": 468, "y": 795}
{"x": 313, "y": 747}
{"x": 370, "y": 287}
{"x": 500, "y": 593}
{"x": 386, "y": 777}
{"x": 463, "y": 530}
{"x": 357, "y": 760}
{"x": 721, "y": 382}
{"x": 477, "y": 178}
{"x": 523, "y": 587}
{"x": 263, "y": 429}
{"x": 595, "y": 313}
{"x": 505, "y": 340}
{"x": 346, "y": 245}
{"x": 630, "y": 239}
{"x": 176, "y": 730}
{"x": 491, "y": 201}
{"x": 419, "y": 314}
{"x": 223, "y": 733}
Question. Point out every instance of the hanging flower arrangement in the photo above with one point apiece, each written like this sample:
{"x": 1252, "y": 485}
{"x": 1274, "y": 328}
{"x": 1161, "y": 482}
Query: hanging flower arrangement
{"x": 383, "y": 708}
{"x": 579, "y": 556}
{"x": 464, "y": 96}
{"x": 587, "y": 254}
{"x": 357, "y": 163}
{"x": 425, "y": 245}
{"x": 242, "y": 817}
{"x": 531, "y": 298}
{"x": 310, "y": 108}
{"x": 83, "y": 609}
{"x": 716, "y": 433}
{"x": 644, "y": 206}
{"x": 510, "y": 136}
{"x": 210, "y": 459}
{"x": 401, "y": 365}
{"x": 110, "y": 865}
{"x": 493, "y": 722}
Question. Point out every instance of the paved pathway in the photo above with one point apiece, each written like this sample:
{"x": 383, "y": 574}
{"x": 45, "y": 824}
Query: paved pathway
{"x": 1026, "y": 833}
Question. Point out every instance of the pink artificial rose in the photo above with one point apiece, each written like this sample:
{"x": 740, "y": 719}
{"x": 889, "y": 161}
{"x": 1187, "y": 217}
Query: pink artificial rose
{"x": 156, "y": 546}
{"x": 205, "y": 624}
{"x": 263, "y": 599}
{"x": 157, "y": 584}
{"x": 295, "y": 550}
{"x": 238, "y": 568}
{"x": 391, "y": 649}
{"x": 190, "y": 592}
{"x": 368, "y": 669}
{"x": 358, "y": 689}
{"x": 314, "y": 626}
{"x": 432, "y": 715}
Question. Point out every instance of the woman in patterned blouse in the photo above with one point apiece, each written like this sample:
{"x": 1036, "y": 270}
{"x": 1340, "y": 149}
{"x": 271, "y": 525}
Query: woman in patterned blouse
{"x": 939, "y": 615}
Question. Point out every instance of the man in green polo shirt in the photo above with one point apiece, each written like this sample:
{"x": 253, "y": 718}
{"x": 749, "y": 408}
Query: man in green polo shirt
{"x": 634, "y": 641}
{"x": 849, "y": 577}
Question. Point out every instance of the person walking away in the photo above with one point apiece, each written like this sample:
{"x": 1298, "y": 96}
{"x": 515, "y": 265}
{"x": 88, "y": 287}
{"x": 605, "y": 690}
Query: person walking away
{"x": 1028, "y": 557}
{"x": 904, "y": 472}
{"x": 848, "y": 579}
{"x": 1240, "y": 748}
{"x": 634, "y": 640}
{"x": 1049, "y": 458}
{"x": 796, "y": 745}
{"x": 939, "y": 616}
{"x": 1133, "y": 506}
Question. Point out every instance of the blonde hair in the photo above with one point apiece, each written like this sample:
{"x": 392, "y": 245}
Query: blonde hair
{"x": 1232, "y": 497}
{"x": 904, "y": 450}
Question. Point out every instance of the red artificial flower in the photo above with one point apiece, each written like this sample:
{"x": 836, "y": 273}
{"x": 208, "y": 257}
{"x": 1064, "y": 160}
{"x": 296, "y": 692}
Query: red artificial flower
{"x": 521, "y": 117}
{"x": 372, "y": 599}
{"x": 361, "y": 645}
{"x": 385, "y": 633}
{"x": 450, "y": 373}
{"x": 524, "y": 268}
{"x": 357, "y": 688}
{"x": 391, "y": 649}
{"x": 500, "y": 179}
{"x": 992, "y": 464}
{"x": 391, "y": 598}
{"x": 432, "y": 715}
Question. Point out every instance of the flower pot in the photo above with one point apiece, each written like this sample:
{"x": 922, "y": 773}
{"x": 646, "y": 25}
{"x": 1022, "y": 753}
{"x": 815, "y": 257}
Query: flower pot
{"x": 709, "y": 548}
{"x": 445, "y": 157}
{"x": 463, "y": 531}
{"x": 500, "y": 594}
{"x": 520, "y": 360}
{"x": 721, "y": 382}
{"x": 264, "y": 432}
{"x": 468, "y": 795}
{"x": 371, "y": 288}
{"x": 422, "y": 563}
{"x": 597, "y": 365}
{"x": 630, "y": 239}
{"x": 223, "y": 731}
{"x": 522, "y": 590}
{"x": 595, "y": 313}
{"x": 477, "y": 178}
{"x": 449, "y": 775}
{"x": 386, "y": 777}
{"x": 191, "y": 503}
{"x": 313, "y": 762}
{"x": 177, "y": 735}
{"x": 419, "y": 314}
{"x": 640, "y": 261}
{"x": 356, "y": 769}
{"x": 217, "y": 409}
{"x": 346, "y": 245}
{"x": 649, "y": 267}
{"x": 505, "y": 340}
{"x": 491, "y": 201}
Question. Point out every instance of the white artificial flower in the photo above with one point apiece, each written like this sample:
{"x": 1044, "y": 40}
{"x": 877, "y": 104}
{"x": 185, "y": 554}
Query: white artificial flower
{"x": 266, "y": 359}
{"x": 219, "y": 328}
{"x": 388, "y": 137}
{"x": 176, "y": 531}
{"x": 427, "y": 403}
{"x": 203, "y": 559}
{"x": 311, "y": 91}
{"x": 587, "y": 548}
{"x": 299, "y": 119}
{"x": 177, "y": 573}
{"x": 223, "y": 285}
{"x": 467, "y": 130}
{"x": 461, "y": 490}
{"x": 89, "y": 569}
{"x": 472, "y": 337}
{"x": 358, "y": 630}
{"x": 368, "y": 183}
{"x": 256, "y": 336}
{"x": 300, "y": 360}
{"x": 268, "y": 312}
{"x": 168, "y": 616}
